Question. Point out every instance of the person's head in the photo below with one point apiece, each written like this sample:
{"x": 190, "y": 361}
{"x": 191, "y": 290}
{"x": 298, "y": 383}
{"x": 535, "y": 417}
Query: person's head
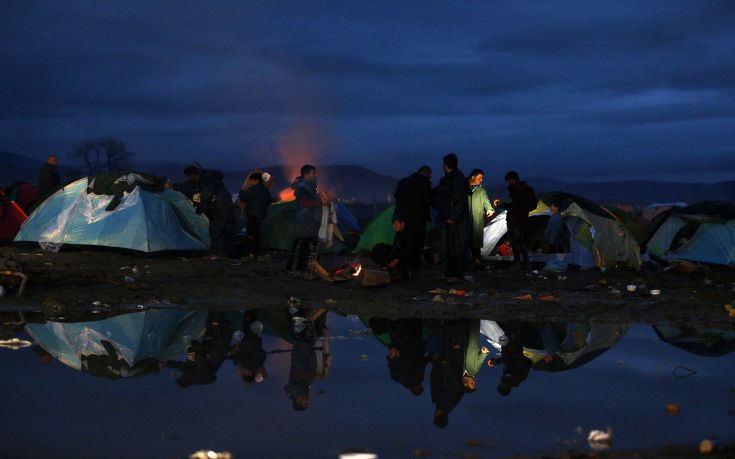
{"x": 53, "y": 160}
{"x": 393, "y": 353}
{"x": 192, "y": 173}
{"x": 300, "y": 403}
{"x": 399, "y": 224}
{"x": 450, "y": 162}
{"x": 308, "y": 172}
{"x": 425, "y": 171}
{"x": 469, "y": 384}
{"x": 441, "y": 419}
{"x": 255, "y": 178}
{"x": 185, "y": 380}
{"x": 504, "y": 389}
{"x": 476, "y": 177}
{"x": 554, "y": 207}
{"x": 512, "y": 177}
{"x": 417, "y": 390}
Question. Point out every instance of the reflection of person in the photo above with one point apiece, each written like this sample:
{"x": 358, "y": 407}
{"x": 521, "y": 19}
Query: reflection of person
{"x": 306, "y": 329}
{"x": 516, "y": 365}
{"x": 248, "y": 354}
{"x": 413, "y": 206}
{"x": 480, "y": 208}
{"x": 48, "y": 178}
{"x": 406, "y": 357}
{"x": 451, "y": 195}
{"x": 205, "y": 355}
{"x": 112, "y": 366}
{"x": 447, "y": 369}
{"x": 475, "y": 355}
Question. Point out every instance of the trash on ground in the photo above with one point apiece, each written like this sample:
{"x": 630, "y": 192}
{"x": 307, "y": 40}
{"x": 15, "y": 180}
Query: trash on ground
{"x": 707, "y": 446}
{"x": 526, "y": 297}
{"x": 655, "y": 292}
{"x": 600, "y": 440}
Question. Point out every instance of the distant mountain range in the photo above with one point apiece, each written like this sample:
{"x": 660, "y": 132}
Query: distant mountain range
{"x": 355, "y": 182}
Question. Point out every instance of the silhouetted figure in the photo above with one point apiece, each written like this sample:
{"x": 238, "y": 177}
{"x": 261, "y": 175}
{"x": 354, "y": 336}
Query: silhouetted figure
{"x": 48, "y": 178}
{"x": 112, "y": 366}
{"x": 413, "y": 206}
{"x": 556, "y": 232}
{"x": 407, "y": 358}
{"x": 249, "y": 354}
{"x": 205, "y": 355}
{"x": 447, "y": 369}
{"x": 257, "y": 200}
{"x": 451, "y": 200}
{"x": 306, "y": 327}
{"x": 207, "y": 191}
{"x": 522, "y": 201}
{"x": 516, "y": 365}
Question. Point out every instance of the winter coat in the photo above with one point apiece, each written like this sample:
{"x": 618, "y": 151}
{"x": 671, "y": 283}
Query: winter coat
{"x": 522, "y": 201}
{"x": 309, "y": 216}
{"x": 479, "y": 205}
{"x": 413, "y": 199}
{"x": 48, "y": 181}
{"x": 257, "y": 199}
{"x": 451, "y": 198}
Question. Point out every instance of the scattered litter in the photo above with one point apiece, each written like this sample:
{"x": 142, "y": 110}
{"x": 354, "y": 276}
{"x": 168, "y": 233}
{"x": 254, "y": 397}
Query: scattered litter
{"x": 561, "y": 278}
{"x": 48, "y": 263}
{"x": 600, "y": 440}
{"x": 614, "y": 291}
{"x": 672, "y": 409}
{"x": 135, "y": 270}
{"x": 330, "y": 301}
{"x": 526, "y": 297}
{"x": 123, "y": 268}
{"x": 707, "y": 446}
{"x": 438, "y": 299}
{"x": 655, "y": 292}
{"x": 15, "y": 344}
{"x": 128, "y": 279}
{"x": 548, "y": 298}
{"x": 708, "y": 282}
{"x": 438, "y": 291}
{"x": 469, "y": 278}
{"x": 364, "y": 357}
{"x": 631, "y": 287}
{"x": 730, "y": 309}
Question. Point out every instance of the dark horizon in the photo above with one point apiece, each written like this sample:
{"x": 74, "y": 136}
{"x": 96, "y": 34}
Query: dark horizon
{"x": 576, "y": 91}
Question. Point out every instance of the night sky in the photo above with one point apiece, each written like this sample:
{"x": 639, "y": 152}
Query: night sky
{"x": 575, "y": 90}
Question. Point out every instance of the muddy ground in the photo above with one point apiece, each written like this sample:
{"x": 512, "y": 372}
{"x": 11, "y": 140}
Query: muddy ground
{"x": 76, "y": 279}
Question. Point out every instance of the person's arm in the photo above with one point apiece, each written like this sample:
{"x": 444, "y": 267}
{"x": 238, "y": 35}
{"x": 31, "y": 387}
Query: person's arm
{"x": 245, "y": 195}
{"x": 487, "y": 206}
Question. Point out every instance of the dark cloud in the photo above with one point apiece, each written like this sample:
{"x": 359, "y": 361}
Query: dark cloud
{"x": 605, "y": 89}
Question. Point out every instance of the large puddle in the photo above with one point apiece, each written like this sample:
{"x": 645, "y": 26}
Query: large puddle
{"x": 165, "y": 383}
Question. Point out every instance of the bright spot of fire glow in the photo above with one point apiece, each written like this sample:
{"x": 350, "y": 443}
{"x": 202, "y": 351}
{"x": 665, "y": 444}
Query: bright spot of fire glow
{"x": 286, "y": 195}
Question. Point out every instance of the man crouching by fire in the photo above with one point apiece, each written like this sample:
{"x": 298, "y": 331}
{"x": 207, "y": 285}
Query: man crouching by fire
{"x": 308, "y": 220}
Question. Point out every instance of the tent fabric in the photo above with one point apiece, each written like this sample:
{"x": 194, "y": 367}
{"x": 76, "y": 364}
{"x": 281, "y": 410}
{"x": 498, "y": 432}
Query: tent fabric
{"x": 23, "y": 194}
{"x": 156, "y": 333}
{"x": 708, "y": 342}
{"x": 278, "y": 231}
{"x": 143, "y": 221}
{"x": 346, "y": 222}
{"x": 378, "y": 231}
{"x": 11, "y": 219}
{"x": 713, "y": 240}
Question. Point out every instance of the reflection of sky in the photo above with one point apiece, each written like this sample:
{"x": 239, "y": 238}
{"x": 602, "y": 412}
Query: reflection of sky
{"x": 55, "y": 411}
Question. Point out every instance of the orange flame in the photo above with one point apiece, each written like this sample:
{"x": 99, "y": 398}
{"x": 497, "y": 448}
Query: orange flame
{"x": 286, "y": 195}
{"x": 358, "y": 269}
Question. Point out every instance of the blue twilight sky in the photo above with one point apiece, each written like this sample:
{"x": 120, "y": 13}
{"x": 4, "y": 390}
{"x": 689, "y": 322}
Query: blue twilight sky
{"x": 593, "y": 90}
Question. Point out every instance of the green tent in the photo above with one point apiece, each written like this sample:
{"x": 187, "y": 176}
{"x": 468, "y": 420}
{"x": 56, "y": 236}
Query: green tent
{"x": 277, "y": 230}
{"x": 379, "y": 230}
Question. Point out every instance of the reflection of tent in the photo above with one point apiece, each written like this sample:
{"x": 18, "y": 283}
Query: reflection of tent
{"x": 278, "y": 230}
{"x": 153, "y": 334}
{"x": 593, "y": 340}
{"x": 598, "y": 236}
{"x": 144, "y": 221}
{"x": 703, "y": 232}
{"x": 708, "y": 342}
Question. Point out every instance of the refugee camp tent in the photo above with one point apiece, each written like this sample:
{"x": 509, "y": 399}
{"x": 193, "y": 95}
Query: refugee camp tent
{"x": 124, "y": 344}
{"x": 23, "y": 194}
{"x": 143, "y": 220}
{"x": 703, "y": 232}
{"x": 597, "y": 236}
{"x": 278, "y": 230}
{"x": 378, "y": 231}
{"x": 12, "y": 217}
{"x": 707, "y": 342}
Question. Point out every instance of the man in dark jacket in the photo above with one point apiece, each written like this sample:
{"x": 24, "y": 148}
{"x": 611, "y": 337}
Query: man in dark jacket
{"x": 308, "y": 219}
{"x": 447, "y": 369}
{"x": 522, "y": 201}
{"x": 413, "y": 205}
{"x": 452, "y": 203}
{"x": 257, "y": 199}
{"x": 48, "y": 178}
{"x": 207, "y": 191}
{"x": 407, "y": 357}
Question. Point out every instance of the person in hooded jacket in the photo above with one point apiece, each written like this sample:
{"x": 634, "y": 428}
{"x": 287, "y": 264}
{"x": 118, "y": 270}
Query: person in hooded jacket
{"x": 480, "y": 208}
{"x": 310, "y": 204}
{"x": 452, "y": 204}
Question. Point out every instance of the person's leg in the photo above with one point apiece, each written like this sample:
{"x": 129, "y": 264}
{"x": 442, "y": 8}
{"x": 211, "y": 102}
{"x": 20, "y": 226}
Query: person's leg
{"x": 296, "y": 250}
{"x": 419, "y": 232}
{"x": 514, "y": 235}
{"x": 253, "y": 235}
{"x": 522, "y": 242}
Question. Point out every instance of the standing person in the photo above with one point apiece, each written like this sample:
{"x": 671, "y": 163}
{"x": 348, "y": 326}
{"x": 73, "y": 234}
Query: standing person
{"x": 308, "y": 219}
{"x": 522, "y": 201}
{"x": 210, "y": 197}
{"x": 451, "y": 195}
{"x": 413, "y": 206}
{"x": 556, "y": 232}
{"x": 48, "y": 178}
{"x": 480, "y": 207}
{"x": 257, "y": 199}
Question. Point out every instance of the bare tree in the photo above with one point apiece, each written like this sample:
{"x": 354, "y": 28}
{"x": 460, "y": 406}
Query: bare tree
{"x": 104, "y": 154}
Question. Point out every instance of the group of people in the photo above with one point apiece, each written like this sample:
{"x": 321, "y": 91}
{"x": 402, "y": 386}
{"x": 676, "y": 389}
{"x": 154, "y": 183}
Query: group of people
{"x": 462, "y": 206}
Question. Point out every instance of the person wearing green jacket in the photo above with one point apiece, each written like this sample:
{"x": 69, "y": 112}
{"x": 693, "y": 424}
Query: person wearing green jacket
{"x": 474, "y": 356}
{"x": 480, "y": 208}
